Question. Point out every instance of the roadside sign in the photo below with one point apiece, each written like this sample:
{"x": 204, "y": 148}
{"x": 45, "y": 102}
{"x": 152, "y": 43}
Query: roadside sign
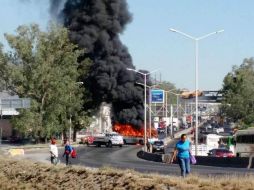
{"x": 157, "y": 96}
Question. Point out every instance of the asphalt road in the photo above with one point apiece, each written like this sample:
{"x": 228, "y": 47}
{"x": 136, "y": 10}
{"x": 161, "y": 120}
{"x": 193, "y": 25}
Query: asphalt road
{"x": 125, "y": 158}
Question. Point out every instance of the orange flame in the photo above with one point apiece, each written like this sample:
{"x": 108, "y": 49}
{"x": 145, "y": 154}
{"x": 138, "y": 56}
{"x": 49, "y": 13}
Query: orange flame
{"x": 129, "y": 130}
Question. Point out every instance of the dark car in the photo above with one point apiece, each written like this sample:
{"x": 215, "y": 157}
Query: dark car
{"x": 221, "y": 153}
{"x": 158, "y": 146}
{"x": 161, "y": 130}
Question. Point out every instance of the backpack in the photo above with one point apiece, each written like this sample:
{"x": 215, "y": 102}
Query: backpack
{"x": 74, "y": 153}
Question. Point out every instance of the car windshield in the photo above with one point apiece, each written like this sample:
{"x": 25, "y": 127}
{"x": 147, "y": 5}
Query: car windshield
{"x": 158, "y": 143}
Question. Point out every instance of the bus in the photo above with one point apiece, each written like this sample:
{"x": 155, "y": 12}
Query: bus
{"x": 244, "y": 142}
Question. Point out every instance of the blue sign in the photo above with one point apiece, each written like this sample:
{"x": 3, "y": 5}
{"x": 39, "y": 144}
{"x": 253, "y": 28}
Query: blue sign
{"x": 157, "y": 96}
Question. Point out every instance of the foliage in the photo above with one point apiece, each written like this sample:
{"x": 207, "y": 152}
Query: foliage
{"x": 168, "y": 86}
{"x": 44, "y": 66}
{"x": 238, "y": 91}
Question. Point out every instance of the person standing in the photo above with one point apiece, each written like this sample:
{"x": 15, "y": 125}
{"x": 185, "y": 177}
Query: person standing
{"x": 67, "y": 152}
{"x": 182, "y": 152}
{"x": 53, "y": 152}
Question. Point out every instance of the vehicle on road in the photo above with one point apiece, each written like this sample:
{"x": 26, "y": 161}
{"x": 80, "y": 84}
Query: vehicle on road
{"x": 133, "y": 140}
{"x": 107, "y": 139}
{"x": 158, "y": 146}
{"x": 161, "y": 130}
{"x": 211, "y": 140}
{"x": 221, "y": 153}
{"x": 244, "y": 142}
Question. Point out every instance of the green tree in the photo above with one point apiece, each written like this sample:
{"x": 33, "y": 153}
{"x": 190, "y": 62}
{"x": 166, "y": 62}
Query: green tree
{"x": 44, "y": 66}
{"x": 168, "y": 86}
{"x": 238, "y": 91}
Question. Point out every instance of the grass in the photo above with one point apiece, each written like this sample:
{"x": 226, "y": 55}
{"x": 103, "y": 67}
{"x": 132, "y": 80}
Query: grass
{"x": 24, "y": 174}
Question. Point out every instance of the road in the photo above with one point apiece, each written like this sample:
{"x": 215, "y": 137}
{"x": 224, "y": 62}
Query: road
{"x": 125, "y": 158}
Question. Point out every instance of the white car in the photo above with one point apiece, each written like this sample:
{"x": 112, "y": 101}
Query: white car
{"x": 108, "y": 139}
{"x": 220, "y": 130}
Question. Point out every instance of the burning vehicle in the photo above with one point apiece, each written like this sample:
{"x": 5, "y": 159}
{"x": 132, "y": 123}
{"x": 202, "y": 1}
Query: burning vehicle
{"x": 133, "y": 135}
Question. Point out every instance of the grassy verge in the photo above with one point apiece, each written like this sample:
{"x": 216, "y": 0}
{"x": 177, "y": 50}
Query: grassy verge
{"x": 28, "y": 175}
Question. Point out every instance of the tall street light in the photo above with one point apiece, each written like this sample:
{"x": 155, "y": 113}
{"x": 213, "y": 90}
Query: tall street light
{"x": 145, "y": 75}
{"x": 150, "y": 105}
{"x": 196, "y": 40}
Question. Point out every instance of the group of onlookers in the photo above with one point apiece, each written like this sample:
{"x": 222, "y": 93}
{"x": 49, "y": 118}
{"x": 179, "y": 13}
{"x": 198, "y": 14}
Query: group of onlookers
{"x": 68, "y": 152}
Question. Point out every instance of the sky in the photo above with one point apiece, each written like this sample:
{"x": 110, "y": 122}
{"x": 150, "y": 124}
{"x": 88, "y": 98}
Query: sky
{"x": 151, "y": 44}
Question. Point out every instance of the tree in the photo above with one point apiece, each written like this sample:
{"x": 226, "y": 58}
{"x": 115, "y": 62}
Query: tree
{"x": 238, "y": 91}
{"x": 44, "y": 66}
{"x": 168, "y": 86}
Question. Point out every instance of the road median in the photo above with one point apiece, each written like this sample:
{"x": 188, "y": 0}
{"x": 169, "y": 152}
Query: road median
{"x": 235, "y": 162}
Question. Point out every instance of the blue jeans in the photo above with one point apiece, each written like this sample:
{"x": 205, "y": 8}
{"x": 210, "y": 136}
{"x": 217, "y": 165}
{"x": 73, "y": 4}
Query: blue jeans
{"x": 184, "y": 164}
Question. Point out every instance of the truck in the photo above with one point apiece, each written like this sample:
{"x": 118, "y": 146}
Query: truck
{"x": 107, "y": 139}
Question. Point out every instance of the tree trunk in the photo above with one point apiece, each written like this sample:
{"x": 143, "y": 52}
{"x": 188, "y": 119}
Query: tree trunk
{"x": 74, "y": 135}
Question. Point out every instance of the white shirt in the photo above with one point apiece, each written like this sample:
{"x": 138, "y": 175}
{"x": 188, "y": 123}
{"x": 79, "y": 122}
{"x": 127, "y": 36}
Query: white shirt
{"x": 53, "y": 149}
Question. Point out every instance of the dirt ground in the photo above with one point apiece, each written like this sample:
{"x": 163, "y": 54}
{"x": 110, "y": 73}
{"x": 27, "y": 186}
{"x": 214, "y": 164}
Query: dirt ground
{"x": 22, "y": 174}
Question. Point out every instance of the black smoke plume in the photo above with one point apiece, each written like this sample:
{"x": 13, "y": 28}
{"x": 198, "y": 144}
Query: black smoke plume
{"x": 95, "y": 25}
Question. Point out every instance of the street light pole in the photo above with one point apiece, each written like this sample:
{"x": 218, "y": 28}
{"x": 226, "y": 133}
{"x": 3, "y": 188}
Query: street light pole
{"x": 150, "y": 113}
{"x": 196, "y": 97}
{"x": 150, "y": 105}
{"x": 145, "y": 111}
{"x": 145, "y": 75}
{"x": 196, "y": 40}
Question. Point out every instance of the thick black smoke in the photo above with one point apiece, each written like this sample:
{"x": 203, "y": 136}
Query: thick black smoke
{"x": 95, "y": 25}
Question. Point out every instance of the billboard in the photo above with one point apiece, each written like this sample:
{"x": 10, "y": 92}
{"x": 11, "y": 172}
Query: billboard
{"x": 157, "y": 96}
{"x": 211, "y": 96}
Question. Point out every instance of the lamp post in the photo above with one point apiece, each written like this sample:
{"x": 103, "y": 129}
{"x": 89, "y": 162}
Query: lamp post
{"x": 78, "y": 83}
{"x": 196, "y": 40}
{"x": 150, "y": 107}
{"x": 145, "y": 75}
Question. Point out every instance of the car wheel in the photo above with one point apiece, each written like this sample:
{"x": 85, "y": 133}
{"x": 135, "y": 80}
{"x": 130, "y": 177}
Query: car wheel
{"x": 110, "y": 144}
{"x": 120, "y": 146}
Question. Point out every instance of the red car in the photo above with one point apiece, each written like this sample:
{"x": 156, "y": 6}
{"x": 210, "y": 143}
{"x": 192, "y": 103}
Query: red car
{"x": 221, "y": 153}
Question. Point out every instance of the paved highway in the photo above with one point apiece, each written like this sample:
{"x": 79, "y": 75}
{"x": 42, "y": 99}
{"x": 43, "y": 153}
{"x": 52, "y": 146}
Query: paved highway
{"x": 126, "y": 158}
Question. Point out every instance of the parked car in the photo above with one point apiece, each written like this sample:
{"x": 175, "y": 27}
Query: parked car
{"x": 158, "y": 146}
{"x": 161, "y": 130}
{"x": 220, "y": 153}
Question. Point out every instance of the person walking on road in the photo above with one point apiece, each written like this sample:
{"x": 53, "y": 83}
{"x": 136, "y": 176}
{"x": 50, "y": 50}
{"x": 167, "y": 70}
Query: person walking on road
{"x": 182, "y": 152}
{"x": 67, "y": 152}
{"x": 53, "y": 152}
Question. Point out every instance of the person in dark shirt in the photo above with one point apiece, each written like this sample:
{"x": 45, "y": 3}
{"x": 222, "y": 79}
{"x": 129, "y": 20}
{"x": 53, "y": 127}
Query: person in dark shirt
{"x": 67, "y": 151}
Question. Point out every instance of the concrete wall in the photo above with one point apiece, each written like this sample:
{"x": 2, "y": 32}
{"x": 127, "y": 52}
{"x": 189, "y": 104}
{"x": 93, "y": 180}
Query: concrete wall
{"x": 236, "y": 162}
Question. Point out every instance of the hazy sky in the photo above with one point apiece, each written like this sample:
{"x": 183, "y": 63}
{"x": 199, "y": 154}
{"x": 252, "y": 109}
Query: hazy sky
{"x": 153, "y": 46}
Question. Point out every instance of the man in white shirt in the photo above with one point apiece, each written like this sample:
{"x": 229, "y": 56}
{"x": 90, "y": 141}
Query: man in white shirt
{"x": 53, "y": 152}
